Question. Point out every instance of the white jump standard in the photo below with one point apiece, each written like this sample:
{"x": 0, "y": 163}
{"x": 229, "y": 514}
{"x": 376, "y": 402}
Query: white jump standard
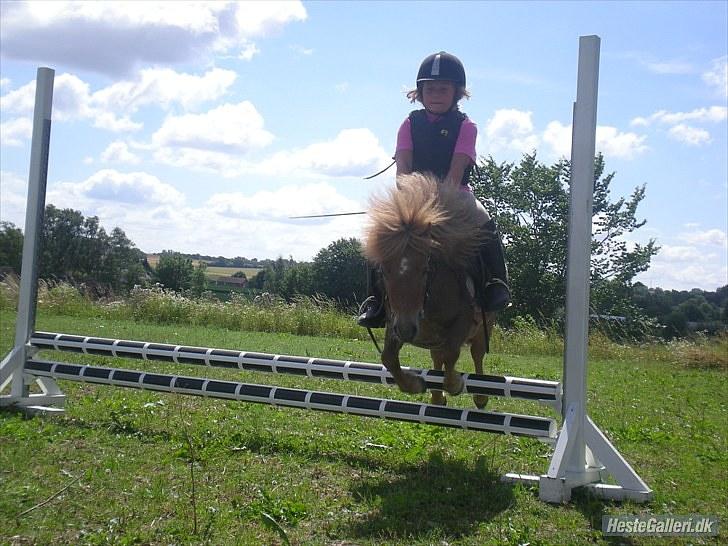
{"x": 583, "y": 456}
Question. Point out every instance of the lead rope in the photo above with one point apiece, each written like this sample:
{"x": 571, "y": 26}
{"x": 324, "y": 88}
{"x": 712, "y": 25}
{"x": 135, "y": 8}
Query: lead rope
{"x": 485, "y": 331}
{"x": 380, "y": 172}
{"x": 371, "y": 335}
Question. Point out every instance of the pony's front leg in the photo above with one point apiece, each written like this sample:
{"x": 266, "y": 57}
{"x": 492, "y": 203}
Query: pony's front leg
{"x": 437, "y": 397}
{"x": 406, "y": 381}
{"x": 477, "y": 351}
{"x": 453, "y": 382}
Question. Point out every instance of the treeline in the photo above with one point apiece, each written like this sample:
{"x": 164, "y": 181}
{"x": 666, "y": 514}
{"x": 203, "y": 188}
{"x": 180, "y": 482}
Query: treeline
{"x": 78, "y": 250}
{"x": 681, "y": 312}
{"x": 238, "y": 261}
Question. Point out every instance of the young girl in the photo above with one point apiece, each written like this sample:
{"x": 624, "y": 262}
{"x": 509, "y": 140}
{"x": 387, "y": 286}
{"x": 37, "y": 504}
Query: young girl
{"x": 441, "y": 139}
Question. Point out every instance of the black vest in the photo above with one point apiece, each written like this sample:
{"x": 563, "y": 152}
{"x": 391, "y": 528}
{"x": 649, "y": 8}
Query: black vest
{"x": 434, "y": 142}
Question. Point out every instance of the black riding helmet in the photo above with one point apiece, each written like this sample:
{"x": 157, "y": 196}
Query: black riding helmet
{"x": 441, "y": 66}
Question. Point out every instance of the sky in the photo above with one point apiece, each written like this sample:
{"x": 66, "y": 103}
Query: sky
{"x": 203, "y": 127}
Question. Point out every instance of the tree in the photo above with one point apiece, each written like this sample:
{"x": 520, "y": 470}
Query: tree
{"x": 339, "y": 271}
{"x": 198, "y": 281}
{"x": 174, "y": 271}
{"x": 530, "y": 202}
{"x": 11, "y": 246}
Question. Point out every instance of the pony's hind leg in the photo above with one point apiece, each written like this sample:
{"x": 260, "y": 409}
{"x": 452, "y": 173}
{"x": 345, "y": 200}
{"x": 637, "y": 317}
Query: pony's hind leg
{"x": 406, "y": 381}
{"x": 438, "y": 398}
{"x": 477, "y": 351}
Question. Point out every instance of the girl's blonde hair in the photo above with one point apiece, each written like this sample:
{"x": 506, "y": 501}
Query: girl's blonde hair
{"x": 416, "y": 94}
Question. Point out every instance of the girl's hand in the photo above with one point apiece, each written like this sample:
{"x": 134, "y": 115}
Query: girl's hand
{"x": 459, "y": 163}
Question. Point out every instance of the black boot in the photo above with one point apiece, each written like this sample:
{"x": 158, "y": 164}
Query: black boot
{"x": 493, "y": 293}
{"x": 372, "y": 313}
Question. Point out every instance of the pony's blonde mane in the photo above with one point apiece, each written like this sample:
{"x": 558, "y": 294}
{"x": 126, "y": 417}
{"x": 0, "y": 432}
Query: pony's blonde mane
{"x": 424, "y": 215}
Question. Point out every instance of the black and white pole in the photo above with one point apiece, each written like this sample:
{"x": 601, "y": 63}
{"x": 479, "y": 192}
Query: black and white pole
{"x": 540, "y": 390}
{"x": 542, "y": 428}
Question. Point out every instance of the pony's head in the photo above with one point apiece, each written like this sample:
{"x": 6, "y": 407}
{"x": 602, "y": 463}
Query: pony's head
{"x": 410, "y": 226}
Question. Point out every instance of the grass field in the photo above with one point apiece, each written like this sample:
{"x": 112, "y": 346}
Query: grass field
{"x": 153, "y": 468}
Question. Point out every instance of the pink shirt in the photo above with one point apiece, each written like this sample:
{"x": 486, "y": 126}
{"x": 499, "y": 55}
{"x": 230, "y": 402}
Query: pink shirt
{"x": 465, "y": 143}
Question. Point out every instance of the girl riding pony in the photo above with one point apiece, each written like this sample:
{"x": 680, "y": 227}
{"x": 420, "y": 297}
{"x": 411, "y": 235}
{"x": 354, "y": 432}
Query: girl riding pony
{"x": 441, "y": 139}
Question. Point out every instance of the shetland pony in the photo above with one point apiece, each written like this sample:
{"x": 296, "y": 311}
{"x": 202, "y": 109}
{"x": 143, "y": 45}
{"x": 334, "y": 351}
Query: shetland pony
{"x": 424, "y": 238}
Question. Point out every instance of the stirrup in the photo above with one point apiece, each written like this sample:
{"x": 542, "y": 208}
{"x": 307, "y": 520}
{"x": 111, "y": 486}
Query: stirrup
{"x": 369, "y": 316}
{"x": 503, "y": 293}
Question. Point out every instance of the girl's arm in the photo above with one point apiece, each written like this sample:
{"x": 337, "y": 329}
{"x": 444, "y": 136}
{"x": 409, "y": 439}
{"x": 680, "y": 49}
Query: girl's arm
{"x": 403, "y": 158}
{"x": 458, "y": 164}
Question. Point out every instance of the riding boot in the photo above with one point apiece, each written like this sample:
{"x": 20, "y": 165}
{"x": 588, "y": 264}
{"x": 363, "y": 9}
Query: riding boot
{"x": 494, "y": 294}
{"x": 372, "y": 313}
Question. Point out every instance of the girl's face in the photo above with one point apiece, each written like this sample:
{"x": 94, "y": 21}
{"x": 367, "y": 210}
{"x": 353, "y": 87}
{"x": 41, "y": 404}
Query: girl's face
{"x": 438, "y": 96}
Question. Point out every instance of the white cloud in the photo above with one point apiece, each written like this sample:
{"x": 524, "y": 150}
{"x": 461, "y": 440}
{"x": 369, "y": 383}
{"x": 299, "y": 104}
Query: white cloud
{"x": 616, "y": 144}
{"x": 699, "y": 259}
{"x": 689, "y": 135}
{"x": 511, "y": 129}
{"x": 302, "y": 50}
{"x": 13, "y": 196}
{"x": 71, "y": 100}
{"x": 155, "y": 216}
{"x": 214, "y": 140}
{"x": 609, "y": 140}
{"x": 282, "y": 203}
{"x": 683, "y": 275}
{"x": 712, "y": 237}
{"x": 16, "y": 131}
{"x": 127, "y": 34}
{"x": 714, "y": 114}
{"x": 354, "y": 152}
{"x": 558, "y": 136}
{"x": 165, "y": 87}
{"x": 717, "y": 76}
{"x": 5, "y": 82}
{"x": 109, "y": 108}
{"x": 673, "y": 66}
{"x": 136, "y": 189}
{"x": 681, "y": 253}
{"x": 248, "y": 51}
{"x": 119, "y": 152}
{"x": 342, "y": 87}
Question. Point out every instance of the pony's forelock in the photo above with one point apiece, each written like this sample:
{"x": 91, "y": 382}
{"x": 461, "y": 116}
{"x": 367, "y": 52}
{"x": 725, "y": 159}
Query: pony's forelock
{"x": 423, "y": 215}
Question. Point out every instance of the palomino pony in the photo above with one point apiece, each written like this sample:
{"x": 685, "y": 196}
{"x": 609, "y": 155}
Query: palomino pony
{"x": 424, "y": 237}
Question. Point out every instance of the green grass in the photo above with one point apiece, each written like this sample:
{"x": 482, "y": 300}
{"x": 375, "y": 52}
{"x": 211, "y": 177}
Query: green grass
{"x": 154, "y": 468}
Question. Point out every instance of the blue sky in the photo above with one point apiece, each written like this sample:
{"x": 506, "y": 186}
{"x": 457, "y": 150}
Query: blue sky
{"x": 203, "y": 127}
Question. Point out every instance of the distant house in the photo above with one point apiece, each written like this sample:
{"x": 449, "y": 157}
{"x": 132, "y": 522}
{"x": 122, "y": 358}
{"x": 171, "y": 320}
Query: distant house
{"x": 237, "y": 282}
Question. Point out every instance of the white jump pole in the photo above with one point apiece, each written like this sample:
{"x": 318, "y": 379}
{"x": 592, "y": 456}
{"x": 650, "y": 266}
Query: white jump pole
{"x": 11, "y": 368}
{"x": 583, "y": 456}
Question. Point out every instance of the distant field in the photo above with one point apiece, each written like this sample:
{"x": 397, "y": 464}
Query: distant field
{"x": 212, "y": 271}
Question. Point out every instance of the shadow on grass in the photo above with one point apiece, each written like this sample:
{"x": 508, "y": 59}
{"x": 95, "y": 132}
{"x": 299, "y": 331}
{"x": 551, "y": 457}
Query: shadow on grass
{"x": 593, "y": 508}
{"x": 438, "y": 497}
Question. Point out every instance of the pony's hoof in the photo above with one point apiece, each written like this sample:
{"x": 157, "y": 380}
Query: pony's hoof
{"x": 457, "y": 388}
{"x": 413, "y": 385}
{"x": 480, "y": 400}
{"x": 438, "y": 399}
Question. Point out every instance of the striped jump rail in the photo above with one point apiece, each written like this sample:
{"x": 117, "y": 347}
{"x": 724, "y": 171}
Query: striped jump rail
{"x": 541, "y": 390}
{"x": 542, "y": 428}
